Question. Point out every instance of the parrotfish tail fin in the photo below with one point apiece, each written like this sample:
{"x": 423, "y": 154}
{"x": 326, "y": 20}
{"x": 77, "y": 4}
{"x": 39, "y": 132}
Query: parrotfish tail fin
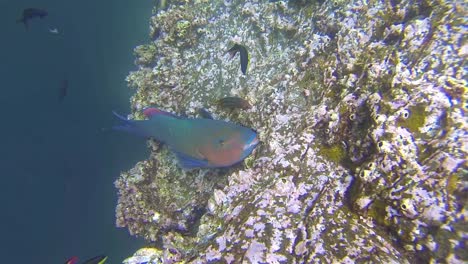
{"x": 130, "y": 126}
{"x": 187, "y": 162}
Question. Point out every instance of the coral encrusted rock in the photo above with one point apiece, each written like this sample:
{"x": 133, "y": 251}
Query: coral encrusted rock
{"x": 361, "y": 110}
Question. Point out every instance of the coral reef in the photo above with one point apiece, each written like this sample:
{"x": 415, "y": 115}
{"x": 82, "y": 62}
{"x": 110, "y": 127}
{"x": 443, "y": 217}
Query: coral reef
{"x": 360, "y": 106}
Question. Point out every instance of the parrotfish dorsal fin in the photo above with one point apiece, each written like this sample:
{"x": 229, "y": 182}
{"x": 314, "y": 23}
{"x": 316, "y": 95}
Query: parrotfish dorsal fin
{"x": 152, "y": 111}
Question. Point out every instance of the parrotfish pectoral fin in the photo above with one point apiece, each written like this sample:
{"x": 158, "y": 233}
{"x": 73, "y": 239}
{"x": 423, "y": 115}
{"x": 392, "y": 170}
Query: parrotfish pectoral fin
{"x": 188, "y": 162}
{"x": 129, "y": 126}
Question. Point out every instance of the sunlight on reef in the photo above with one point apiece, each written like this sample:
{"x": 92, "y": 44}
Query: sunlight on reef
{"x": 360, "y": 107}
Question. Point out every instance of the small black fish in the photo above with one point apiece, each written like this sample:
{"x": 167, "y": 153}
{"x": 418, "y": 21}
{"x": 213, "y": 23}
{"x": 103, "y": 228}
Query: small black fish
{"x": 204, "y": 113}
{"x": 244, "y": 56}
{"x": 63, "y": 90}
{"x": 30, "y": 13}
{"x": 234, "y": 102}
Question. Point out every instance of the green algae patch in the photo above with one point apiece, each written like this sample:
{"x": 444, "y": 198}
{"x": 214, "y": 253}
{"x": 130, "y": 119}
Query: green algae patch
{"x": 335, "y": 153}
{"x": 452, "y": 183}
{"x": 182, "y": 27}
{"x": 415, "y": 120}
{"x": 306, "y": 81}
{"x": 377, "y": 212}
{"x": 425, "y": 152}
{"x": 146, "y": 54}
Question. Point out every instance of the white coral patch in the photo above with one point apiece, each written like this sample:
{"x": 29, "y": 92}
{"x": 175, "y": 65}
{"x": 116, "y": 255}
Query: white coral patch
{"x": 256, "y": 252}
{"x": 275, "y": 258}
{"x": 259, "y": 226}
{"x": 212, "y": 254}
{"x": 451, "y": 163}
{"x": 363, "y": 202}
{"x": 434, "y": 213}
{"x": 249, "y": 233}
{"x": 221, "y": 240}
{"x": 229, "y": 258}
{"x": 318, "y": 248}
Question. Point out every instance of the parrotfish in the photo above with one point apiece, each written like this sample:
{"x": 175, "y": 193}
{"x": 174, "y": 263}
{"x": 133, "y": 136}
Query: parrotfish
{"x": 197, "y": 142}
{"x": 101, "y": 259}
{"x": 30, "y": 13}
{"x": 96, "y": 260}
{"x": 72, "y": 260}
{"x": 244, "y": 56}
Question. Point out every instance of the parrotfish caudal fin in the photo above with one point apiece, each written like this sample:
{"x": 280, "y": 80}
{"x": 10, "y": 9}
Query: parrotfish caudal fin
{"x": 129, "y": 126}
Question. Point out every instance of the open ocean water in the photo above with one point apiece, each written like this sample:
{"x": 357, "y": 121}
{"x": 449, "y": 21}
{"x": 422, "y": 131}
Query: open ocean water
{"x": 58, "y": 163}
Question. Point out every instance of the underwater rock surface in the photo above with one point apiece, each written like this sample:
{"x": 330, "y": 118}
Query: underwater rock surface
{"x": 360, "y": 107}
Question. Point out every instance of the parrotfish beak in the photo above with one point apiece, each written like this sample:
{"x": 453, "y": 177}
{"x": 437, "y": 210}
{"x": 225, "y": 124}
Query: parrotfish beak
{"x": 251, "y": 144}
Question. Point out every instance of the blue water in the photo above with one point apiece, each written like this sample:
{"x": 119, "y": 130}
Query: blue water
{"x": 57, "y": 164}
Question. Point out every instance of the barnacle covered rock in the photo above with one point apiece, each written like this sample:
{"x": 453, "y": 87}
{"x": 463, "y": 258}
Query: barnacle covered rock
{"x": 360, "y": 108}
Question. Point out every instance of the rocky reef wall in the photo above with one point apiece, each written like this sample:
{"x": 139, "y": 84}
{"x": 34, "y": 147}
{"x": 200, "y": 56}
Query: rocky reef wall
{"x": 360, "y": 107}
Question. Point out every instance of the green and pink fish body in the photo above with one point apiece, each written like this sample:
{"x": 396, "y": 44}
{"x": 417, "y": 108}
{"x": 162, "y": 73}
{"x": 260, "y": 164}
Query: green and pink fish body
{"x": 197, "y": 142}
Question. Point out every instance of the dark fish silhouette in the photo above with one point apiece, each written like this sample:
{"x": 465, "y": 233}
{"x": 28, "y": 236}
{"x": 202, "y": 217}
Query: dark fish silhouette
{"x": 30, "y": 13}
{"x": 234, "y": 102}
{"x": 96, "y": 260}
{"x": 244, "y": 56}
{"x": 63, "y": 89}
{"x": 205, "y": 113}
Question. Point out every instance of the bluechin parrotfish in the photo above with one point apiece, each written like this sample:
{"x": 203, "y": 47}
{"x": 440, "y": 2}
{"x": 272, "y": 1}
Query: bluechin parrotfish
{"x": 30, "y": 13}
{"x": 244, "y": 56}
{"x": 197, "y": 142}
